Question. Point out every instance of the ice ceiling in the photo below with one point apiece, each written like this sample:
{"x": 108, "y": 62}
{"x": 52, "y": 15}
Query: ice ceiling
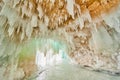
{"x": 86, "y": 32}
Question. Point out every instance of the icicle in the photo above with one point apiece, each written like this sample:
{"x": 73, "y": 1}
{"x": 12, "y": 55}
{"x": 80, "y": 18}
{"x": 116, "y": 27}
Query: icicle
{"x": 81, "y": 23}
{"x": 40, "y": 11}
{"x": 53, "y": 1}
{"x": 25, "y": 10}
{"x": 70, "y": 7}
{"x": 46, "y": 20}
{"x": 42, "y": 27}
{"x": 18, "y": 29}
{"x": 86, "y": 16}
{"x": 83, "y": 1}
{"x": 30, "y": 5}
{"x": 29, "y": 30}
{"x": 78, "y": 7}
{"x": 16, "y": 2}
{"x": 65, "y": 17}
{"x": 22, "y": 35}
{"x": 34, "y": 21}
{"x": 49, "y": 55}
{"x": 10, "y": 14}
{"x": 3, "y": 20}
{"x": 10, "y": 31}
{"x": 94, "y": 26}
{"x": 40, "y": 59}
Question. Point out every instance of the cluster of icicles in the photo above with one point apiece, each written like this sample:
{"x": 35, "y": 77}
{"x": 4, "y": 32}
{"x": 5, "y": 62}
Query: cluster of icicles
{"x": 19, "y": 22}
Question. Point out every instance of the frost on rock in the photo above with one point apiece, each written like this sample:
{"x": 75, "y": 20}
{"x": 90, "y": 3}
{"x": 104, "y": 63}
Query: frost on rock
{"x": 102, "y": 40}
{"x": 113, "y": 20}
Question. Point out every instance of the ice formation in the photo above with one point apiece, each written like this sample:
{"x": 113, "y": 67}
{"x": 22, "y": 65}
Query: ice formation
{"x": 86, "y": 32}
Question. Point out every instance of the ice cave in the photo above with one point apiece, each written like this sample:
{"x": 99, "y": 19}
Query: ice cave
{"x": 59, "y": 39}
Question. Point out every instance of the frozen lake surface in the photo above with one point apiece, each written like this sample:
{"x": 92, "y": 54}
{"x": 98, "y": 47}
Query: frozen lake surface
{"x": 67, "y": 71}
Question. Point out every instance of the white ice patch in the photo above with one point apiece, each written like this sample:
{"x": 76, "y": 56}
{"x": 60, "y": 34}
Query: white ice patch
{"x": 10, "y": 14}
{"x": 87, "y": 16}
{"x": 113, "y": 19}
{"x": 113, "y": 22}
{"x": 102, "y": 41}
{"x": 49, "y": 59}
{"x": 70, "y": 7}
{"x": 40, "y": 59}
{"x": 66, "y": 71}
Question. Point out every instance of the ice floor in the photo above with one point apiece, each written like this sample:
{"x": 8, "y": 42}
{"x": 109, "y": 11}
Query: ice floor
{"x": 66, "y": 71}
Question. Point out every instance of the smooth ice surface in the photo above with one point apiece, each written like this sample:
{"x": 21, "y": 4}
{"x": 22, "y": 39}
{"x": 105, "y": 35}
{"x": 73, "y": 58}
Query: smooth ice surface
{"x": 66, "y": 71}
